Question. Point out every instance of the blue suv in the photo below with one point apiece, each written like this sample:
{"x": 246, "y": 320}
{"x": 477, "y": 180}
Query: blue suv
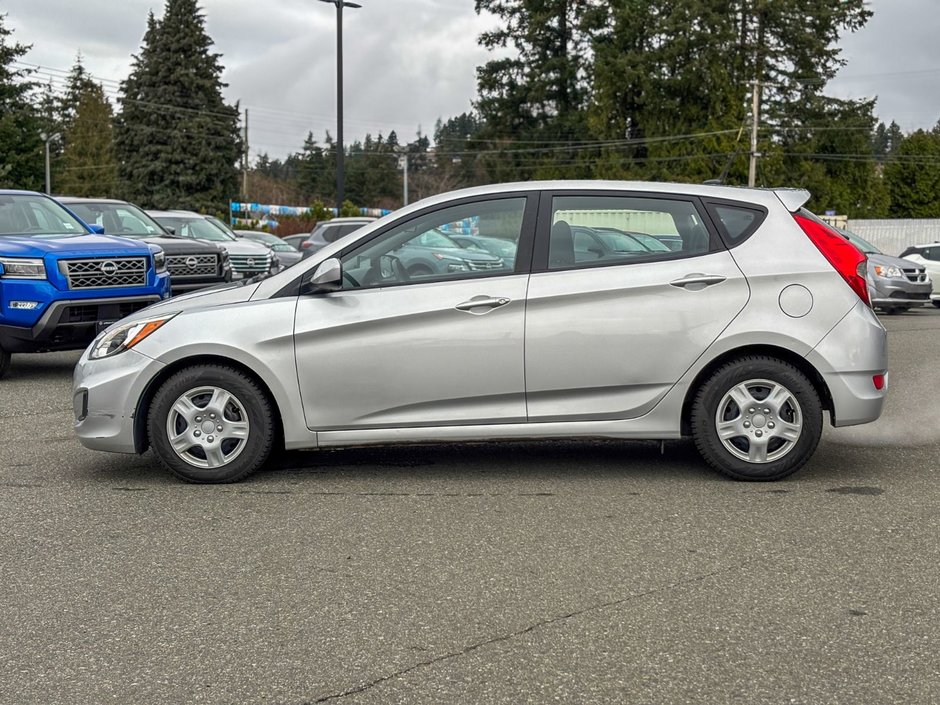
{"x": 62, "y": 281}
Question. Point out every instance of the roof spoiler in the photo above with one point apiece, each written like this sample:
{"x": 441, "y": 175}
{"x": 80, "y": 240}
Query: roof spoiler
{"x": 793, "y": 198}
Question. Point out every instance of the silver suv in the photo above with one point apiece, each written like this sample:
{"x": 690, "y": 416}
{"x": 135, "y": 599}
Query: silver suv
{"x": 740, "y": 337}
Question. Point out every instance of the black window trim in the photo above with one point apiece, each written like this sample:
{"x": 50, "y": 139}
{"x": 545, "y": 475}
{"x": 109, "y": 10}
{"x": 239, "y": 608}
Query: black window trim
{"x": 543, "y": 230}
{"x": 719, "y": 225}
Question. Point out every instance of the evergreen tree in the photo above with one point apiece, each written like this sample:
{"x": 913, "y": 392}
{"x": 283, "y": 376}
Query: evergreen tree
{"x": 913, "y": 176}
{"x": 176, "y": 140}
{"x": 21, "y": 163}
{"x": 89, "y": 167}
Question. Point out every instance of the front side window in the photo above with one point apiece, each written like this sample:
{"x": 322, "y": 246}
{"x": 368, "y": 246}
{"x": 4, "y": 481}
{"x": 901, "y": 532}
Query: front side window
{"x": 423, "y": 250}
{"x": 614, "y": 230}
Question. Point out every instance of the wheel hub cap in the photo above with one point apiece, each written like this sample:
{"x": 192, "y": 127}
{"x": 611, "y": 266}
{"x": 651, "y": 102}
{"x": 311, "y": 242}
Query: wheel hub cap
{"x": 207, "y": 427}
{"x": 759, "y": 421}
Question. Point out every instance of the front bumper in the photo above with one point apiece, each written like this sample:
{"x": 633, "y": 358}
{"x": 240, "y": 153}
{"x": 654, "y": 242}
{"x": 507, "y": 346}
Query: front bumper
{"x": 891, "y": 293}
{"x": 71, "y": 324}
{"x": 105, "y": 394}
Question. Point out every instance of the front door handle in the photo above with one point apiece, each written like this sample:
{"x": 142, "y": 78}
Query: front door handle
{"x": 697, "y": 282}
{"x": 482, "y": 304}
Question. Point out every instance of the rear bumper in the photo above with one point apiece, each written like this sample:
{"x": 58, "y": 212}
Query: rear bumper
{"x": 848, "y": 358}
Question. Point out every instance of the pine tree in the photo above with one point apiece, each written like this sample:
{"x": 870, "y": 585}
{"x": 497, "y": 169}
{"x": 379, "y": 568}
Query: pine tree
{"x": 913, "y": 176}
{"x": 88, "y": 164}
{"x": 21, "y": 163}
{"x": 176, "y": 140}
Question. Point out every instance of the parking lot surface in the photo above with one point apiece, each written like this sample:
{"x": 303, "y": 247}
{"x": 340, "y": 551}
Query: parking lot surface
{"x": 585, "y": 572}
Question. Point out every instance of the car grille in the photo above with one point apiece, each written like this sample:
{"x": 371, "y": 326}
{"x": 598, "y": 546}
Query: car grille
{"x": 480, "y": 266}
{"x": 89, "y": 313}
{"x": 104, "y": 272}
{"x": 254, "y": 264}
{"x": 192, "y": 265}
{"x": 915, "y": 275}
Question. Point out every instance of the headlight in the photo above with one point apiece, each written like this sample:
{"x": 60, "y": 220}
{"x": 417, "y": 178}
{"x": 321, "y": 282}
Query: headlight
{"x": 888, "y": 272}
{"x": 22, "y": 268}
{"x": 126, "y": 336}
{"x": 159, "y": 262}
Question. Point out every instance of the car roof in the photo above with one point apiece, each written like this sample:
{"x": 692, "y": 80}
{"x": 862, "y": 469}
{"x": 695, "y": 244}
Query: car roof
{"x": 357, "y": 219}
{"x": 19, "y": 192}
{"x": 84, "y": 199}
{"x": 176, "y": 214}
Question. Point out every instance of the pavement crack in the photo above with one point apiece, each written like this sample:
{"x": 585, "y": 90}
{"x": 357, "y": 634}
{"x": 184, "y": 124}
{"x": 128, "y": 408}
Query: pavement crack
{"x": 513, "y": 635}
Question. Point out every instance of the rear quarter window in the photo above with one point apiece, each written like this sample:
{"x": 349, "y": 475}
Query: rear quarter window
{"x": 735, "y": 222}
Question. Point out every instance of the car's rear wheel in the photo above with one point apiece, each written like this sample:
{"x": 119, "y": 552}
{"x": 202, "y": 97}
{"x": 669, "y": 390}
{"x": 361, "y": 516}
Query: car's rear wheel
{"x": 211, "y": 424}
{"x": 936, "y": 302}
{"x": 4, "y": 362}
{"x": 757, "y": 418}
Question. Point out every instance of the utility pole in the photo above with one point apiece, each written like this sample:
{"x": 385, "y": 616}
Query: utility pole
{"x": 755, "y": 119}
{"x": 46, "y": 138}
{"x": 245, "y": 163}
{"x": 403, "y": 165}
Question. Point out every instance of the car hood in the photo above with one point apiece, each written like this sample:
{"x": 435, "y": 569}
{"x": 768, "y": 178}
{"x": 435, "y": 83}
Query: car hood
{"x": 71, "y": 246}
{"x": 241, "y": 247}
{"x": 231, "y": 293}
{"x": 889, "y": 261}
{"x": 183, "y": 246}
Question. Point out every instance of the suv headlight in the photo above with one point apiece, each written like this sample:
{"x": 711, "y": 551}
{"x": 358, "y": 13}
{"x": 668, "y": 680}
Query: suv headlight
{"x": 22, "y": 268}
{"x": 888, "y": 272}
{"x": 126, "y": 336}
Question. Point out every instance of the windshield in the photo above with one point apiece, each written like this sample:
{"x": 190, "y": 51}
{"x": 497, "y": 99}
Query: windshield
{"x": 861, "y": 244}
{"x": 194, "y": 227}
{"x": 119, "y": 219}
{"x": 434, "y": 238}
{"x": 36, "y": 216}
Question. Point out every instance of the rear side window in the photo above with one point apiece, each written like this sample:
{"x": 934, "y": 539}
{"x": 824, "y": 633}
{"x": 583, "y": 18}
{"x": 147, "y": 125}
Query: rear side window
{"x": 735, "y": 222}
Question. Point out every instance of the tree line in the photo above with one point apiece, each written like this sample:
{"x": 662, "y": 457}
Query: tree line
{"x": 577, "y": 89}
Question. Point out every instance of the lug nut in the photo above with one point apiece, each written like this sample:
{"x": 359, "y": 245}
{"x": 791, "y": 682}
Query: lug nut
{"x": 197, "y": 433}
{"x": 198, "y": 419}
{"x": 751, "y": 410}
{"x": 210, "y": 439}
{"x": 771, "y": 425}
{"x": 211, "y": 416}
{"x": 766, "y": 411}
{"x": 756, "y": 433}
{"x": 747, "y": 424}
{"x": 219, "y": 429}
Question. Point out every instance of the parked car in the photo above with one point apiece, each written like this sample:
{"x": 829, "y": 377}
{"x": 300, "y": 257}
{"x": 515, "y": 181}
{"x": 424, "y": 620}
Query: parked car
{"x": 434, "y": 253}
{"x": 895, "y": 284}
{"x": 62, "y": 281}
{"x": 329, "y": 231}
{"x": 296, "y": 240}
{"x": 504, "y": 249}
{"x": 192, "y": 264}
{"x": 592, "y": 243}
{"x": 928, "y": 257}
{"x": 286, "y": 254}
{"x": 722, "y": 340}
{"x": 248, "y": 259}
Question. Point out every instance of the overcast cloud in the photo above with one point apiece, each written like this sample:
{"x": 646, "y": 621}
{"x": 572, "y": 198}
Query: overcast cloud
{"x": 407, "y": 62}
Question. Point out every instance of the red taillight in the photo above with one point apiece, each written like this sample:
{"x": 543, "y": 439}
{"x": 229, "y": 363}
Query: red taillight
{"x": 847, "y": 260}
{"x": 878, "y": 381}
{"x": 304, "y": 245}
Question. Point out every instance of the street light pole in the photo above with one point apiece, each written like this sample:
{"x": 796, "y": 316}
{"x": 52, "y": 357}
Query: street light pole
{"x": 46, "y": 138}
{"x": 340, "y": 182}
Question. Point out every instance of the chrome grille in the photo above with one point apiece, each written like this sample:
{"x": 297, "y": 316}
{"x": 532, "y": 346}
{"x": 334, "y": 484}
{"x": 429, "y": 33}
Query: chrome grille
{"x": 915, "y": 275}
{"x": 104, "y": 272}
{"x": 192, "y": 265}
{"x": 251, "y": 263}
{"x": 480, "y": 266}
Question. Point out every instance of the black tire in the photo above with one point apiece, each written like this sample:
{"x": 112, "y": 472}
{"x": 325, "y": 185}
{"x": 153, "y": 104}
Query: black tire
{"x": 241, "y": 407}
{"x": 787, "y": 436}
{"x": 4, "y": 362}
{"x": 936, "y": 302}
{"x": 894, "y": 310}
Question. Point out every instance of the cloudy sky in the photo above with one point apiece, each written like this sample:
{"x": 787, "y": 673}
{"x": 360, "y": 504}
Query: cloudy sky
{"x": 407, "y": 62}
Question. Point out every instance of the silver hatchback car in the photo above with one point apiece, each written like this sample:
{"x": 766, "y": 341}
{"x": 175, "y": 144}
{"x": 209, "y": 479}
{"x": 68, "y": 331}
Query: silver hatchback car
{"x": 740, "y": 337}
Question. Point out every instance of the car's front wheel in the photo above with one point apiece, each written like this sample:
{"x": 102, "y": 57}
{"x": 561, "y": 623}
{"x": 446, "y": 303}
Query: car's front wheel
{"x": 757, "y": 418}
{"x": 211, "y": 424}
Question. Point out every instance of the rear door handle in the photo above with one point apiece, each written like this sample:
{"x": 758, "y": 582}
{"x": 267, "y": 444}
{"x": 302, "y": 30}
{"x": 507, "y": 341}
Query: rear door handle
{"x": 482, "y": 304}
{"x": 697, "y": 282}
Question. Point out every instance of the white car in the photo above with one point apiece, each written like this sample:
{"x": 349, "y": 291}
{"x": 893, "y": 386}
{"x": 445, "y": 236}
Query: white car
{"x": 928, "y": 256}
{"x": 248, "y": 258}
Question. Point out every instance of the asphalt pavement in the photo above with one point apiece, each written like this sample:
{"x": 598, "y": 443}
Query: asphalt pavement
{"x": 569, "y": 572}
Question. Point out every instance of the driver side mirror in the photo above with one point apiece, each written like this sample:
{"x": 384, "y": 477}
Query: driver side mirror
{"x": 96, "y": 229}
{"x": 328, "y": 276}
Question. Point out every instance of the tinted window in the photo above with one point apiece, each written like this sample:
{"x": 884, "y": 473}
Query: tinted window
{"x": 421, "y": 249}
{"x": 737, "y": 223}
{"x": 616, "y": 230}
